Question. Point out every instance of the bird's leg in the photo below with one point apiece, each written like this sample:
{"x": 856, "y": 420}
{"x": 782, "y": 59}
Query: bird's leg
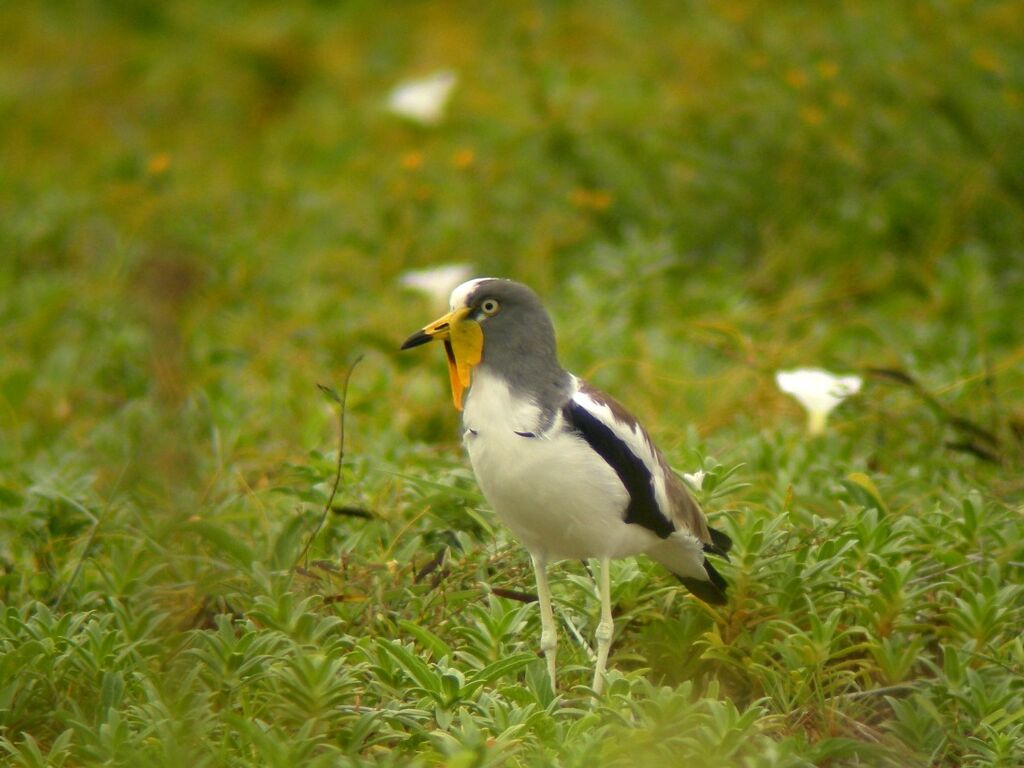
{"x": 548, "y": 637}
{"x": 603, "y": 635}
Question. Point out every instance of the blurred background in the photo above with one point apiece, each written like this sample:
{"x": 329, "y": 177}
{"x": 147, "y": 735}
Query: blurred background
{"x": 212, "y": 203}
{"x": 208, "y": 208}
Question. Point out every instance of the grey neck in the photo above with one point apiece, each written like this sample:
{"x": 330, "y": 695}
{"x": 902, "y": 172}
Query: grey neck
{"x": 534, "y": 375}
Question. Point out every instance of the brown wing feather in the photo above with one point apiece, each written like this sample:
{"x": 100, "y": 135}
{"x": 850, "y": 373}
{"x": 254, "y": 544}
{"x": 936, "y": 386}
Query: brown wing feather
{"x": 684, "y": 512}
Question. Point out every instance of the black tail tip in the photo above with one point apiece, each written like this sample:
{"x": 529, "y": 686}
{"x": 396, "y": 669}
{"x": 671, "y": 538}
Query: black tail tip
{"x": 720, "y": 540}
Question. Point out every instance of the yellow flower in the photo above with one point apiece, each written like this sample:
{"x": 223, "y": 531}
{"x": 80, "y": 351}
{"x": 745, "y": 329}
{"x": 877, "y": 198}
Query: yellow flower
{"x": 412, "y": 161}
{"x": 840, "y": 99}
{"x": 796, "y": 78}
{"x": 593, "y": 199}
{"x": 988, "y": 60}
{"x": 464, "y": 158}
{"x": 158, "y": 164}
{"x": 828, "y": 69}
{"x": 812, "y": 115}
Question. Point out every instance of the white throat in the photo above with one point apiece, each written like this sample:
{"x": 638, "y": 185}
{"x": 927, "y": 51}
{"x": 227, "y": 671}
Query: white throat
{"x": 490, "y": 406}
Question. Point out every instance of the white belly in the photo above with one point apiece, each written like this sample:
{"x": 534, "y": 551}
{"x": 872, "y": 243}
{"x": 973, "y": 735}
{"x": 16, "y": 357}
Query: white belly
{"x": 554, "y": 492}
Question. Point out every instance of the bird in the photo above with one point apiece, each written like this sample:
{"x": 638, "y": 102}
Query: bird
{"x": 565, "y": 466}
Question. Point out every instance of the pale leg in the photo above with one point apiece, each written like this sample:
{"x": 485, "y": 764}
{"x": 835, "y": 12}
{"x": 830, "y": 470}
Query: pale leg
{"x": 605, "y": 627}
{"x": 548, "y": 637}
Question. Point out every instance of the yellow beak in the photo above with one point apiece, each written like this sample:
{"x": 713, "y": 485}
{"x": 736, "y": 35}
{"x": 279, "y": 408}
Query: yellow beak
{"x": 463, "y": 342}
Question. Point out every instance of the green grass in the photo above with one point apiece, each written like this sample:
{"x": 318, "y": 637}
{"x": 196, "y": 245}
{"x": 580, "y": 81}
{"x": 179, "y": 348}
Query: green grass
{"x": 204, "y": 212}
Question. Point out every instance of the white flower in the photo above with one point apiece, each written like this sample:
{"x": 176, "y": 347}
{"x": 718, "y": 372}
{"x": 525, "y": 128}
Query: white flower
{"x": 696, "y": 480}
{"x": 818, "y": 392}
{"x": 437, "y": 283}
{"x": 423, "y": 100}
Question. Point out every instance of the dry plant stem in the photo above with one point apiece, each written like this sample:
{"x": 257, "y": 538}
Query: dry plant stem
{"x": 97, "y": 521}
{"x": 340, "y": 400}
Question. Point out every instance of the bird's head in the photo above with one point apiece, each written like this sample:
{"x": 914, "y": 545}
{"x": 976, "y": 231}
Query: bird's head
{"x": 492, "y": 320}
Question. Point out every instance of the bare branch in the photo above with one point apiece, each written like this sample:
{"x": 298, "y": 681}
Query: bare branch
{"x": 340, "y": 400}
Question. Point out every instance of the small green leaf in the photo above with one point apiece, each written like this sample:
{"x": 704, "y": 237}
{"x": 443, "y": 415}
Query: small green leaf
{"x": 330, "y": 392}
{"x": 502, "y": 668}
{"x": 288, "y": 541}
{"x": 414, "y": 667}
{"x": 863, "y": 489}
{"x": 437, "y": 648}
{"x": 225, "y": 542}
{"x": 951, "y": 665}
{"x": 10, "y": 498}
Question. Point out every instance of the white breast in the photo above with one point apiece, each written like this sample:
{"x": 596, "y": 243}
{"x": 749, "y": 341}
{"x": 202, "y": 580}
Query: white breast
{"x": 553, "y": 491}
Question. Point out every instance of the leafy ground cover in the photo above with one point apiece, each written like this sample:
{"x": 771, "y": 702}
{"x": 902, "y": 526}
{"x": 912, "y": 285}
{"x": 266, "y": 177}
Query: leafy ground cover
{"x": 205, "y": 213}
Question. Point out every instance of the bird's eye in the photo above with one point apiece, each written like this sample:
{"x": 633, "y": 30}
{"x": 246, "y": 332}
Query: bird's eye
{"x": 490, "y": 307}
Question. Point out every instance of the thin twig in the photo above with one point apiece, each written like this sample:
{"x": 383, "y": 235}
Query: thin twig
{"x": 340, "y": 400}
{"x": 98, "y": 521}
{"x": 959, "y": 423}
{"x": 575, "y": 632}
{"x": 997, "y": 662}
{"x": 878, "y": 691}
{"x": 432, "y": 565}
{"x": 514, "y": 594}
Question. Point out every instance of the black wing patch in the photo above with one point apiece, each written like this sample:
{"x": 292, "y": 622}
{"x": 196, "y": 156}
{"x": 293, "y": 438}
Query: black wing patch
{"x": 635, "y": 476}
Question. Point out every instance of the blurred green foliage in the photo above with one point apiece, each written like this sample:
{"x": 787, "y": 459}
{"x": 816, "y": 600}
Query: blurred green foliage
{"x": 204, "y": 212}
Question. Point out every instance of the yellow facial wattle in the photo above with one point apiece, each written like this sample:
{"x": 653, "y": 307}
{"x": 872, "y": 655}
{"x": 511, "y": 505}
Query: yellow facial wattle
{"x": 463, "y": 344}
